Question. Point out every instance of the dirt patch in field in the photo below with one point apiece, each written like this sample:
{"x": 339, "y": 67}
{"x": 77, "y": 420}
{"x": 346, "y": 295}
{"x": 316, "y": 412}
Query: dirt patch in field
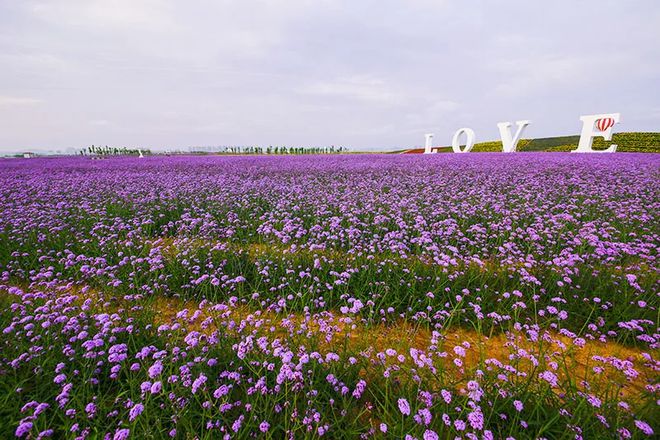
{"x": 405, "y": 346}
{"x": 622, "y": 370}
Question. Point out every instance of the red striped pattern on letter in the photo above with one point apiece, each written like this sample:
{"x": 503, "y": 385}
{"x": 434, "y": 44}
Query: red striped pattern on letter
{"x": 604, "y": 123}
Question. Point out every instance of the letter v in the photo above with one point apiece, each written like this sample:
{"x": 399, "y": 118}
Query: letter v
{"x": 509, "y": 144}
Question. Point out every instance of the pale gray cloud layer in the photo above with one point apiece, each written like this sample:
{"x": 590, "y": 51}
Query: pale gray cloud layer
{"x": 367, "y": 74}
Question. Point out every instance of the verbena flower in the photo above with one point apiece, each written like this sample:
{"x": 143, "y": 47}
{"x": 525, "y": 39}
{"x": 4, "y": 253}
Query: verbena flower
{"x": 135, "y": 411}
{"x": 404, "y": 406}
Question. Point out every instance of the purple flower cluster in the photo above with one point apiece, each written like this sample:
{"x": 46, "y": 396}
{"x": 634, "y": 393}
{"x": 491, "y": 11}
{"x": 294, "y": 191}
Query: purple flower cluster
{"x": 376, "y": 295}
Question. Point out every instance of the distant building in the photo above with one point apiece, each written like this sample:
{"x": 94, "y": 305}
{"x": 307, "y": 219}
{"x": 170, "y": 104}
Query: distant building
{"x": 28, "y": 155}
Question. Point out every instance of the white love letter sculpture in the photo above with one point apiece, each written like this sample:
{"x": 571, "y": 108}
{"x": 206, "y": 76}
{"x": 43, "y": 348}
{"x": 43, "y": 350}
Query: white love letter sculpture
{"x": 469, "y": 143}
{"x": 594, "y": 126}
{"x": 427, "y": 145}
{"x": 509, "y": 144}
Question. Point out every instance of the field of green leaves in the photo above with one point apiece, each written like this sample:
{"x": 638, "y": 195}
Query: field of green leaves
{"x": 347, "y": 296}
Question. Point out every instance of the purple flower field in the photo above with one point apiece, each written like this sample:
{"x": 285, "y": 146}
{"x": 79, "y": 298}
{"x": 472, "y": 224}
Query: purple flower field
{"x": 480, "y": 296}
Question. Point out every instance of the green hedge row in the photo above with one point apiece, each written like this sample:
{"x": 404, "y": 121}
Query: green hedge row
{"x": 646, "y": 142}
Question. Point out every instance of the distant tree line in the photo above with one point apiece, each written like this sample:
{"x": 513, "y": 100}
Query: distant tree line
{"x": 95, "y": 150}
{"x": 280, "y": 150}
{"x": 113, "y": 151}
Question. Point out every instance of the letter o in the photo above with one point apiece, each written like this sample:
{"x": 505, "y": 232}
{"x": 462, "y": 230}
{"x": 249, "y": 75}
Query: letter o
{"x": 469, "y": 143}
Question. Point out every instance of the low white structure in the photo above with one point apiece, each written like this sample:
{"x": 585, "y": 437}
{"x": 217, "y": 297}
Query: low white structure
{"x": 592, "y": 126}
{"x": 510, "y": 143}
{"x": 469, "y": 142}
{"x": 595, "y": 126}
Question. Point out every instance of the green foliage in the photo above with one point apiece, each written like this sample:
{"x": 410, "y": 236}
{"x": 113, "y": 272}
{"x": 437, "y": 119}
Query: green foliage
{"x": 113, "y": 151}
{"x": 636, "y": 142}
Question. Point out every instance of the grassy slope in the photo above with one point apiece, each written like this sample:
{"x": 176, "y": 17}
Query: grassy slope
{"x": 628, "y": 142}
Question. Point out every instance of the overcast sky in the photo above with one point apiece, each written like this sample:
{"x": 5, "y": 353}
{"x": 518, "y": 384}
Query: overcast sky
{"x": 364, "y": 74}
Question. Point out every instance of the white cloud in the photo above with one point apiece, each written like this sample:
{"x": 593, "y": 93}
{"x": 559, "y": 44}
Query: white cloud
{"x": 545, "y": 73}
{"x": 19, "y": 101}
{"x": 100, "y": 122}
{"x": 368, "y": 73}
{"x": 359, "y": 87}
{"x": 154, "y": 15}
